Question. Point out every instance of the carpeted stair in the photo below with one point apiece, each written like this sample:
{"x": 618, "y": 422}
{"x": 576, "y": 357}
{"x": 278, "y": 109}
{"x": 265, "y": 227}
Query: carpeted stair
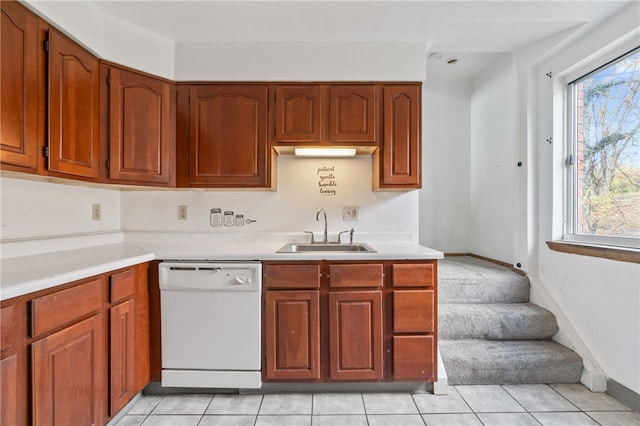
{"x": 490, "y": 334}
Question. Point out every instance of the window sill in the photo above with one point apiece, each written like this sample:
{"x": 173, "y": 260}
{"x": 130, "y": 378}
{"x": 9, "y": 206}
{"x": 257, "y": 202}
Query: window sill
{"x": 604, "y": 252}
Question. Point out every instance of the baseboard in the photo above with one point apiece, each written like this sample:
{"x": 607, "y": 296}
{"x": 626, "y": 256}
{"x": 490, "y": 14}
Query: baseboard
{"x": 488, "y": 259}
{"x": 623, "y": 394}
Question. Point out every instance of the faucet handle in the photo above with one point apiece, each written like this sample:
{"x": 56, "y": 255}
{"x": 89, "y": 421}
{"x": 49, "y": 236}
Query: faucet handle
{"x": 340, "y": 235}
{"x": 351, "y": 235}
{"x": 312, "y": 237}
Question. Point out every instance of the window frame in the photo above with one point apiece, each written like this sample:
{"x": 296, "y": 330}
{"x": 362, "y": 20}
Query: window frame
{"x": 570, "y": 154}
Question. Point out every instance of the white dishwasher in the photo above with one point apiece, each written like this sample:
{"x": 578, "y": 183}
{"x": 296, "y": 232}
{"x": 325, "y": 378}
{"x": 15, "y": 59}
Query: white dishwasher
{"x": 211, "y": 324}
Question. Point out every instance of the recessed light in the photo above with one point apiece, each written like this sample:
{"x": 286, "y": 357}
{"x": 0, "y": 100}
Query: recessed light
{"x": 436, "y": 55}
{"x": 453, "y": 61}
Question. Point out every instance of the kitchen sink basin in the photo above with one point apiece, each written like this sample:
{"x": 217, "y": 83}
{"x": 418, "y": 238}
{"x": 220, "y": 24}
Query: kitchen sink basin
{"x": 330, "y": 247}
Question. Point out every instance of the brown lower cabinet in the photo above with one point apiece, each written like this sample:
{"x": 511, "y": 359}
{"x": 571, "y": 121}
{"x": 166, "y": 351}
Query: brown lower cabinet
{"x": 13, "y": 368}
{"x": 350, "y": 321}
{"x": 355, "y": 335}
{"x": 67, "y": 375}
{"x": 88, "y": 346}
{"x": 293, "y": 334}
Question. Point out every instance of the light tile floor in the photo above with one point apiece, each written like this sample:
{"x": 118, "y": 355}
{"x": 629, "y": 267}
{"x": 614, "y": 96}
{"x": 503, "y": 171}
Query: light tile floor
{"x": 508, "y": 405}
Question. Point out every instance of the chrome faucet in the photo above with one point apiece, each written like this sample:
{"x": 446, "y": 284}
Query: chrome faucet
{"x": 325, "y": 238}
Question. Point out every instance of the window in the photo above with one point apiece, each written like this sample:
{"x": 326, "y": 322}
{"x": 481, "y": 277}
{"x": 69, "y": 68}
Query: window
{"x": 603, "y": 179}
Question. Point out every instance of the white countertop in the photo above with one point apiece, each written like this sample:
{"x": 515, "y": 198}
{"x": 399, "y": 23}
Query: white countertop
{"x": 26, "y": 274}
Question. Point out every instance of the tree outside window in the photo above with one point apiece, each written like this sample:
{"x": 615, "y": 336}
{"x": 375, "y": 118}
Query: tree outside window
{"x": 606, "y": 108}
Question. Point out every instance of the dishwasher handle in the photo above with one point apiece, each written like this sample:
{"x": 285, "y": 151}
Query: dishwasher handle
{"x": 194, "y": 268}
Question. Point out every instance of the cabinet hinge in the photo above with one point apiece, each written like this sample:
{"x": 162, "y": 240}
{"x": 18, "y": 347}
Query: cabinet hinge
{"x": 383, "y": 305}
{"x": 108, "y": 164}
{"x": 45, "y": 45}
{"x": 45, "y": 151}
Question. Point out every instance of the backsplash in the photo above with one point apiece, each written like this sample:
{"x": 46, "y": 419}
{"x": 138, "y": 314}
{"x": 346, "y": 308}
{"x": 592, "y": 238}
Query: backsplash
{"x": 33, "y": 209}
{"x": 303, "y": 186}
{"x": 37, "y": 209}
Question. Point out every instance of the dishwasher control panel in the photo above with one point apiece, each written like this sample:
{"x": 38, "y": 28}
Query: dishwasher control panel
{"x": 219, "y": 276}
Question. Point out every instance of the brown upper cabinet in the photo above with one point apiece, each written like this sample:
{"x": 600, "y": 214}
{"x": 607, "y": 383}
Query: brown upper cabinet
{"x": 396, "y": 163}
{"x": 74, "y": 103}
{"x": 21, "y": 89}
{"x": 325, "y": 114}
{"x": 222, "y": 136}
{"x": 61, "y": 118}
{"x": 140, "y": 114}
{"x": 298, "y": 113}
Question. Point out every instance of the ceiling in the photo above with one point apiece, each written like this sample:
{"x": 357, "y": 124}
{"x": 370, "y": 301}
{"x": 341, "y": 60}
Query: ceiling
{"x": 475, "y": 31}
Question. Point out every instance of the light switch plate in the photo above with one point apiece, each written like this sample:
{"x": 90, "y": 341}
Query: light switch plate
{"x": 182, "y": 212}
{"x": 351, "y": 213}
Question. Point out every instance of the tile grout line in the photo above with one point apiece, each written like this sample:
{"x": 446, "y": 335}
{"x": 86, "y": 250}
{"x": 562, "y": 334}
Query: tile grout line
{"x": 417, "y": 408}
{"x": 469, "y": 405}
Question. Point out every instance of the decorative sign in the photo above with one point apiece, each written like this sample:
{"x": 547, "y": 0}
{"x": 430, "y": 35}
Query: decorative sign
{"x": 327, "y": 180}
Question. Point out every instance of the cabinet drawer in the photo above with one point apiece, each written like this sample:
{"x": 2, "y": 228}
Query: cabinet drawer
{"x": 7, "y": 334}
{"x": 57, "y": 309}
{"x": 361, "y": 275}
{"x": 122, "y": 285}
{"x": 292, "y": 276}
{"x": 413, "y": 311}
{"x": 414, "y": 275}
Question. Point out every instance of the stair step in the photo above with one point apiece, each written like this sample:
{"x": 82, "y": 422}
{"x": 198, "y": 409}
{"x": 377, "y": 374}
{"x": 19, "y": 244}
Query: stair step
{"x": 463, "y": 279}
{"x": 474, "y": 362}
{"x": 508, "y": 321}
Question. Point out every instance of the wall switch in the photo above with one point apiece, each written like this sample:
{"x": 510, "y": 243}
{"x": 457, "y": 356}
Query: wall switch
{"x": 96, "y": 213}
{"x": 182, "y": 212}
{"x": 351, "y": 213}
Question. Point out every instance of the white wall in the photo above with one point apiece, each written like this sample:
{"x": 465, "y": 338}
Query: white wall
{"x": 446, "y": 164}
{"x": 292, "y": 208}
{"x": 300, "y": 61}
{"x": 119, "y": 41}
{"x": 493, "y": 145}
{"x": 109, "y": 37}
{"x": 599, "y": 298}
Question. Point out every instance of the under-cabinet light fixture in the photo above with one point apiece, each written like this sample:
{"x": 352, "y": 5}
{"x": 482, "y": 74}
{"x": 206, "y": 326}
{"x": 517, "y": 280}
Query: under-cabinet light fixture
{"x": 325, "y": 152}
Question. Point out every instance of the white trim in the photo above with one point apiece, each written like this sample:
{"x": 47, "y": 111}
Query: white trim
{"x": 601, "y": 57}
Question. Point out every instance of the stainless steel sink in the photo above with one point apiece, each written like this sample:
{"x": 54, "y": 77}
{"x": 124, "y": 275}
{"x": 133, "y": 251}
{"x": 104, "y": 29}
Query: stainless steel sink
{"x": 330, "y": 247}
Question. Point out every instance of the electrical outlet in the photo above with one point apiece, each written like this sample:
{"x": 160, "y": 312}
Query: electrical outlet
{"x": 96, "y": 212}
{"x": 182, "y": 212}
{"x": 351, "y": 213}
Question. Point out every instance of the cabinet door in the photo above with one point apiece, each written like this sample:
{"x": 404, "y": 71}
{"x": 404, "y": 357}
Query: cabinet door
{"x": 74, "y": 101}
{"x": 142, "y": 344}
{"x": 298, "y": 113}
{"x": 414, "y": 358}
{"x": 228, "y": 136}
{"x": 122, "y": 352}
{"x": 68, "y": 379}
{"x": 352, "y": 115}
{"x": 13, "y": 373}
{"x": 20, "y": 86}
{"x": 400, "y": 145}
{"x": 355, "y": 335}
{"x": 292, "y": 335}
{"x": 140, "y": 127}
{"x": 9, "y": 403}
